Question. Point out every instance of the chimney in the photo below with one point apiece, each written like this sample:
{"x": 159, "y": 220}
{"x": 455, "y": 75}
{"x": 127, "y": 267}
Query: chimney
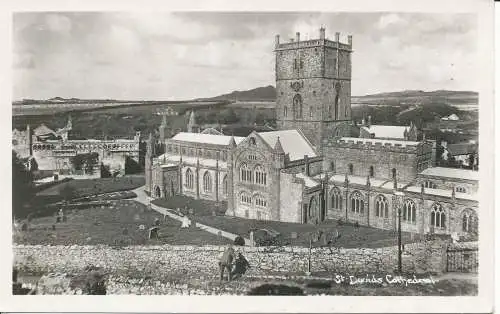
{"x": 297, "y": 36}
{"x": 276, "y": 40}
{"x": 349, "y": 40}
{"x": 337, "y": 37}
{"x": 322, "y": 33}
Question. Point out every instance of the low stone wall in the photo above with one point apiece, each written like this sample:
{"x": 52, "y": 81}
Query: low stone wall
{"x": 423, "y": 257}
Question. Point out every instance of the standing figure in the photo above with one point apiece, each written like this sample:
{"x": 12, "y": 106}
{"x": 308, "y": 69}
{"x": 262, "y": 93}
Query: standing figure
{"x": 241, "y": 266}
{"x": 226, "y": 263}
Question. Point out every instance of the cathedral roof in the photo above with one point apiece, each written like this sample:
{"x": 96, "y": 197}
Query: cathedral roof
{"x": 206, "y": 138}
{"x": 386, "y": 131}
{"x": 453, "y": 173}
{"x": 292, "y": 142}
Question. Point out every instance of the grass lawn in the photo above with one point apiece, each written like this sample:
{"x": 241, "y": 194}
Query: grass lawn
{"x": 87, "y": 187}
{"x": 350, "y": 236}
{"x": 200, "y": 207}
{"x": 93, "y": 226}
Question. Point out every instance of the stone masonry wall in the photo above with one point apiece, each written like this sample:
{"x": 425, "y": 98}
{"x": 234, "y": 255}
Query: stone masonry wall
{"x": 418, "y": 258}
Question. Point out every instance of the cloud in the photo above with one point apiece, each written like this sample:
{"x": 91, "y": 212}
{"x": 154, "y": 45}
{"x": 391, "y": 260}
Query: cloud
{"x": 183, "y": 55}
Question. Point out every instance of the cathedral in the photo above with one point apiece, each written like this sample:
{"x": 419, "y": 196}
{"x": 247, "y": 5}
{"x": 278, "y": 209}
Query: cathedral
{"x": 318, "y": 165}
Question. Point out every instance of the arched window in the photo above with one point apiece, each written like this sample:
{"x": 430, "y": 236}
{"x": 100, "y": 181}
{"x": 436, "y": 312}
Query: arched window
{"x": 332, "y": 165}
{"x": 337, "y": 96}
{"x": 297, "y": 106}
{"x": 409, "y": 211}
{"x": 189, "y": 179}
{"x": 336, "y": 198}
{"x": 357, "y": 203}
{"x": 285, "y": 111}
{"x": 437, "y": 216}
{"x": 260, "y": 175}
{"x": 313, "y": 206}
{"x": 260, "y": 201}
{"x": 351, "y": 169}
{"x": 245, "y": 199}
{"x": 394, "y": 173}
{"x": 429, "y": 184}
{"x": 371, "y": 171}
{"x": 224, "y": 186}
{"x": 460, "y": 189}
{"x": 245, "y": 173}
{"x": 207, "y": 182}
{"x": 381, "y": 207}
{"x": 469, "y": 221}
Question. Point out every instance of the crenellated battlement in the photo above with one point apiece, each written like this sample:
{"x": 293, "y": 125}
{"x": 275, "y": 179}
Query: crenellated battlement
{"x": 296, "y": 43}
{"x": 377, "y": 144}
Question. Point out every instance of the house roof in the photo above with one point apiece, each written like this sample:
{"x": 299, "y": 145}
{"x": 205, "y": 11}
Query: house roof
{"x": 386, "y": 131}
{"x": 453, "y": 173}
{"x": 206, "y": 138}
{"x": 461, "y": 149}
{"x": 292, "y": 142}
{"x": 42, "y": 129}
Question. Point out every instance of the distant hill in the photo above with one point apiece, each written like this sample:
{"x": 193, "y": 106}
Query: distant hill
{"x": 419, "y": 97}
{"x": 267, "y": 93}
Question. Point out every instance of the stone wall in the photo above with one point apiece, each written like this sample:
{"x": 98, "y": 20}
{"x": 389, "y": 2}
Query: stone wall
{"x": 187, "y": 261}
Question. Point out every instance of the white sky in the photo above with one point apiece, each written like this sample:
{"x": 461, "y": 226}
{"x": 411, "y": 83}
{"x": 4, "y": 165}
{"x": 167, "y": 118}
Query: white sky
{"x": 157, "y": 56}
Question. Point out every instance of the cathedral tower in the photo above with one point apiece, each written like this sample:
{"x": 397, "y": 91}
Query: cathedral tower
{"x": 313, "y": 86}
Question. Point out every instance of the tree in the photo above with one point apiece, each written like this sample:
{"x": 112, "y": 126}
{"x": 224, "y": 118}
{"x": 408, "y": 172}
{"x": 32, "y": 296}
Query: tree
{"x": 22, "y": 185}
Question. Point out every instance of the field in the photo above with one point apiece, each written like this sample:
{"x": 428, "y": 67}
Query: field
{"x": 116, "y": 225}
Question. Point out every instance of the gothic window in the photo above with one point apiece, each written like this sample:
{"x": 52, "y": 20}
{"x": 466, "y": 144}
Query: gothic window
{"x": 337, "y": 95}
{"x": 332, "y": 166}
{"x": 285, "y": 113}
{"x": 460, "y": 189}
{"x": 224, "y": 156}
{"x": 294, "y": 64}
{"x": 313, "y": 206}
{"x": 371, "y": 171}
{"x": 469, "y": 221}
{"x": 437, "y": 216}
{"x": 252, "y": 140}
{"x": 301, "y": 64}
{"x": 336, "y": 198}
{"x": 297, "y": 106}
{"x": 394, "y": 173}
{"x": 351, "y": 169}
{"x": 189, "y": 179}
{"x": 357, "y": 203}
{"x": 311, "y": 111}
{"x": 207, "y": 182}
{"x": 260, "y": 201}
{"x": 429, "y": 184}
{"x": 409, "y": 211}
{"x": 245, "y": 173}
{"x": 260, "y": 175}
{"x": 381, "y": 207}
{"x": 245, "y": 199}
{"x": 224, "y": 186}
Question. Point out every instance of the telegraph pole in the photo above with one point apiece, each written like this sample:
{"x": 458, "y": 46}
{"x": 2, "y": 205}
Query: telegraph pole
{"x": 400, "y": 249}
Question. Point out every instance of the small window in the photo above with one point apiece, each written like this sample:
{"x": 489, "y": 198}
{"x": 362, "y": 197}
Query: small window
{"x": 252, "y": 140}
{"x": 285, "y": 111}
{"x": 301, "y": 64}
{"x": 394, "y": 173}
{"x": 351, "y": 169}
{"x": 371, "y": 171}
